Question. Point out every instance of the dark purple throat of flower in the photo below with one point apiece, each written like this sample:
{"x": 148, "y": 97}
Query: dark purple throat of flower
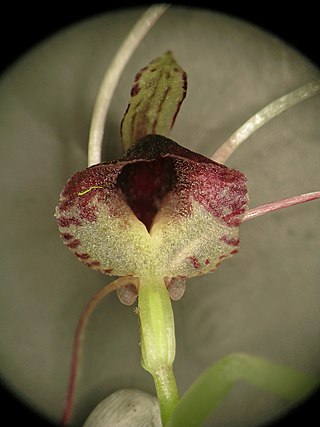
{"x": 145, "y": 184}
{"x": 161, "y": 208}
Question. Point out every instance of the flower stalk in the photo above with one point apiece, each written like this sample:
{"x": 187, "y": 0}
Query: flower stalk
{"x": 158, "y": 341}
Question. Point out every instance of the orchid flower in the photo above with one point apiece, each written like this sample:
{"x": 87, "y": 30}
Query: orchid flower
{"x": 159, "y": 215}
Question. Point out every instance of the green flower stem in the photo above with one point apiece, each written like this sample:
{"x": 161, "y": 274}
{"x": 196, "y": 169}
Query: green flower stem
{"x": 167, "y": 392}
{"x": 158, "y": 341}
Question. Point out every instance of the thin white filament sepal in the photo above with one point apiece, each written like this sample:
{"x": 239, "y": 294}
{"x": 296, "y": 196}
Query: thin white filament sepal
{"x": 280, "y": 204}
{"x": 263, "y": 116}
{"x": 112, "y": 76}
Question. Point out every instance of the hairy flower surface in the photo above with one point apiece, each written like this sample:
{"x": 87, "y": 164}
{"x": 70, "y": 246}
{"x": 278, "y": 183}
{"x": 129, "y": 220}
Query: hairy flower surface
{"x": 161, "y": 209}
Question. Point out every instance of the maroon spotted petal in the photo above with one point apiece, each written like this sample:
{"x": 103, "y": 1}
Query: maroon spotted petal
{"x": 161, "y": 209}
